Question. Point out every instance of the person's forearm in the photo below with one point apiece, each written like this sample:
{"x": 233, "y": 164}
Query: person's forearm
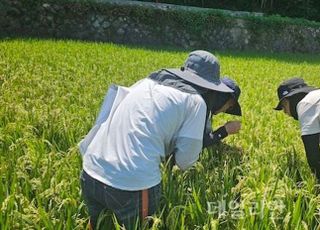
{"x": 215, "y": 137}
{"x": 311, "y": 145}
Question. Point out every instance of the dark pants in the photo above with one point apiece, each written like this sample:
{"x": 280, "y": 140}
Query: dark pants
{"x": 126, "y": 205}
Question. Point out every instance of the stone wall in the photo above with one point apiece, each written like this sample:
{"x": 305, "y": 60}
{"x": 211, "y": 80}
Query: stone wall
{"x": 139, "y": 23}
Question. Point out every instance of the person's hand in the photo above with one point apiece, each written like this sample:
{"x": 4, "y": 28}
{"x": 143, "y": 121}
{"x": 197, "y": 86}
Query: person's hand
{"x": 232, "y": 127}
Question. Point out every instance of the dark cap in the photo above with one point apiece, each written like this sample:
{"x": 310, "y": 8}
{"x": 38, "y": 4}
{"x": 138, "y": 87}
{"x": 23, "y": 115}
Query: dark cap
{"x": 292, "y": 87}
{"x": 236, "y": 109}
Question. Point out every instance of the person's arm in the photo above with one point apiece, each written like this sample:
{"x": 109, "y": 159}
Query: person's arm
{"x": 187, "y": 152}
{"x": 188, "y": 139}
{"x": 311, "y": 146}
{"x": 215, "y": 137}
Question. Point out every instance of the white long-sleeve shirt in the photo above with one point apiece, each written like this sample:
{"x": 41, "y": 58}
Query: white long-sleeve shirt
{"x": 151, "y": 122}
{"x": 308, "y": 110}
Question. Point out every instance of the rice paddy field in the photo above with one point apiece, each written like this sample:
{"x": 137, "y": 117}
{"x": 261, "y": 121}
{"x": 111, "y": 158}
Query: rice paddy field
{"x": 50, "y": 94}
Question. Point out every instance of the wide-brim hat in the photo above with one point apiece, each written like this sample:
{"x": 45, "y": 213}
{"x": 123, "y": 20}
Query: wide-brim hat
{"x": 292, "y": 87}
{"x": 236, "y": 108}
{"x": 203, "y": 69}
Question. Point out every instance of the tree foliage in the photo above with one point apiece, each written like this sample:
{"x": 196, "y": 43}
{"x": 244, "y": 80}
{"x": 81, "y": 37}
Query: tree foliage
{"x": 308, "y": 9}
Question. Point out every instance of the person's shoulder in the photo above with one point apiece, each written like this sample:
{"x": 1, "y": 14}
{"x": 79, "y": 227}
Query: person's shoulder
{"x": 196, "y": 100}
{"x": 309, "y": 103}
{"x": 143, "y": 81}
{"x": 312, "y": 97}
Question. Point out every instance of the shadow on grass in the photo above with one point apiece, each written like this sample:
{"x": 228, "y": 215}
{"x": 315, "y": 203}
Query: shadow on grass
{"x": 222, "y": 153}
{"x": 225, "y": 163}
{"x": 212, "y": 179}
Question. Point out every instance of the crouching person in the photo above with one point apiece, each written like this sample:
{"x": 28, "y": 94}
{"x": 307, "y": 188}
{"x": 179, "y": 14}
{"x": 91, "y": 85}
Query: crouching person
{"x": 302, "y": 102}
{"x": 138, "y": 126}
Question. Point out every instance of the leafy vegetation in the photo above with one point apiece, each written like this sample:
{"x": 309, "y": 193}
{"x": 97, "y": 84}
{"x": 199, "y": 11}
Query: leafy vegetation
{"x": 50, "y": 93}
{"x": 289, "y": 8}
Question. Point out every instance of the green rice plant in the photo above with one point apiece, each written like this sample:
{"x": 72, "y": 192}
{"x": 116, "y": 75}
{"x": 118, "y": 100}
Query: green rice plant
{"x": 50, "y": 94}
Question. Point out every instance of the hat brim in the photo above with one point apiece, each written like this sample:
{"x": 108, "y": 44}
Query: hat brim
{"x": 235, "y": 110}
{"x": 306, "y": 89}
{"x": 197, "y": 80}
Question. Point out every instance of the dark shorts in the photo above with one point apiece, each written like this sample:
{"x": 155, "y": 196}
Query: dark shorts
{"x": 126, "y": 205}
